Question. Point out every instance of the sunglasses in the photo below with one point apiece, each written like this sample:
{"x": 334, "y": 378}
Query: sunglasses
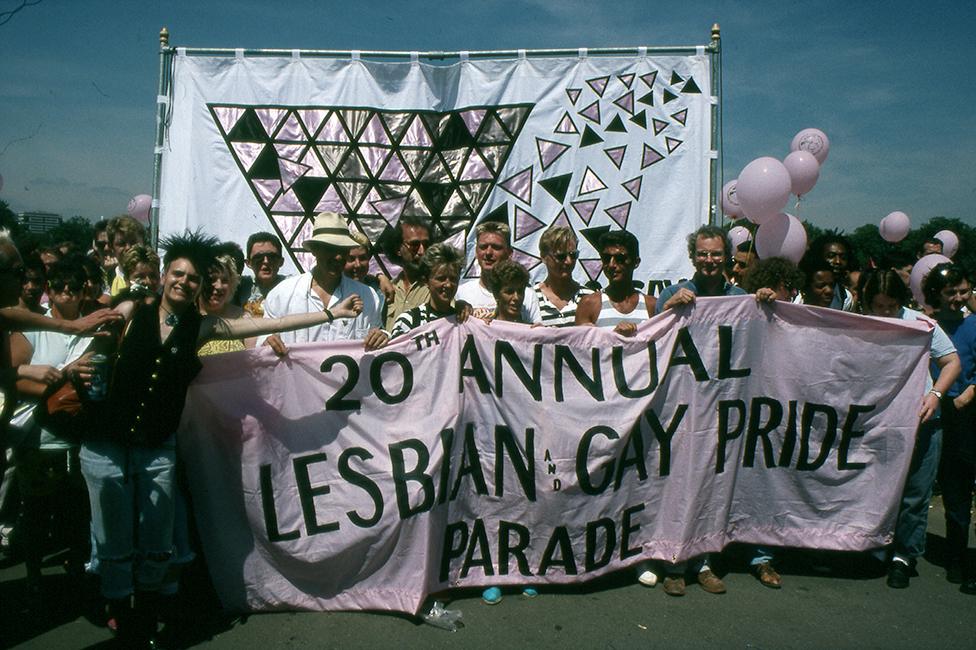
{"x": 270, "y": 257}
{"x": 69, "y": 287}
{"x": 619, "y": 258}
{"x": 416, "y": 244}
{"x": 569, "y": 256}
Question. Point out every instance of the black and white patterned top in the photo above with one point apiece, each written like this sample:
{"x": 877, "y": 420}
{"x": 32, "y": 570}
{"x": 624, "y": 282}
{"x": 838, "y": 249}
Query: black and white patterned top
{"x": 414, "y": 318}
{"x": 554, "y": 317}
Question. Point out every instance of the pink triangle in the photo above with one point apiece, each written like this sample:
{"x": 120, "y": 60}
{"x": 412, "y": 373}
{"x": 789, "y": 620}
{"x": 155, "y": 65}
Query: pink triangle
{"x": 247, "y": 153}
{"x": 416, "y": 135}
{"x": 650, "y": 156}
{"x": 472, "y": 119}
{"x": 395, "y": 171}
{"x": 292, "y": 152}
{"x": 392, "y": 267}
{"x": 227, "y": 116}
{"x": 374, "y": 133}
{"x": 585, "y": 209}
{"x": 633, "y": 186}
{"x": 599, "y": 85}
{"x": 372, "y": 228}
{"x": 288, "y": 202}
{"x": 592, "y": 268}
{"x": 304, "y": 260}
{"x": 332, "y": 131}
{"x": 313, "y": 118}
{"x": 473, "y": 271}
{"x": 525, "y": 223}
{"x": 620, "y": 214}
{"x": 549, "y": 151}
{"x": 270, "y": 118}
{"x": 626, "y": 102}
{"x": 592, "y": 112}
{"x": 372, "y": 196}
{"x": 456, "y": 240}
{"x": 672, "y": 144}
{"x": 390, "y": 209}
{"x": 659, "y": 125}
{"x": 573, "y": 94}
{"x": 591, "y": 183}
{"x": 566, "y": 125}
{"x": 649, "y": 78}
{"x": 528, "y": 260}
{"x": 519, "y": 185}
{"x": 291, "y": 130}
{"x": 315, "y": 167}
{"x": 561, "y": 221}
{"x": 290, "y": 172}
{"x": 475, "y": 169}
{"x": 627, "y": 79}
{"x": 374, "y": 157}
{"x": 267, "y": 189}
{"x": 330, "y": 202}
{"x": 616, "y": 155}
{"x": 681, "y": 116}
{"x": 288, "y": 225}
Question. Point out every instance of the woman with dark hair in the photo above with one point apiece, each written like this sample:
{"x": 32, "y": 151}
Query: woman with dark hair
{"x": 775, "y": 278}
{"x": 947, "y": 290}
{"x": 819, "y": 282}
{"x": 883, "y": 293}
{"x": 507, "y": 281}
{"x": 128, "y": 463}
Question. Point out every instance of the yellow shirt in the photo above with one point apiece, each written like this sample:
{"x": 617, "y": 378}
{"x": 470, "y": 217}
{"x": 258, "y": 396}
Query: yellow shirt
{"x": 404, "y": 300}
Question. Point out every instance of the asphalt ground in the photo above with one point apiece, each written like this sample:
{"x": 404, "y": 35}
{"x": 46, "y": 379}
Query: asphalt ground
{"x": 827, "y": 600}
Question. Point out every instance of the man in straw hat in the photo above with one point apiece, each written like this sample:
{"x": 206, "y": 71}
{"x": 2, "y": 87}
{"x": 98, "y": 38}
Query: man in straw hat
{"x": 324, "y": 286}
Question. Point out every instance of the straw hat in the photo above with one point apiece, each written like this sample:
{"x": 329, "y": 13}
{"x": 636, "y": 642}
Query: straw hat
{"x": 330, "y": 229}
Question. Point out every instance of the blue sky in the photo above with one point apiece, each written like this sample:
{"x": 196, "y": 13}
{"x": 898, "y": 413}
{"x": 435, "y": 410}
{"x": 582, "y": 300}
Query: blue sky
{"x": 889, "y": 82}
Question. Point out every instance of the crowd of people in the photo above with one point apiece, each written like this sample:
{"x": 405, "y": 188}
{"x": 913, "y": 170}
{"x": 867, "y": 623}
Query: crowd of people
{"x": 115, "y": 498}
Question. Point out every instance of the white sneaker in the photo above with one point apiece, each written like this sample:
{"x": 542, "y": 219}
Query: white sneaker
{"x": 645, "y": 575}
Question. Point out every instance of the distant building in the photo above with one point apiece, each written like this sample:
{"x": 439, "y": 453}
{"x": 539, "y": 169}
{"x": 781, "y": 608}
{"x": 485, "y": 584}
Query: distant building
{"x": 39, "y": 222}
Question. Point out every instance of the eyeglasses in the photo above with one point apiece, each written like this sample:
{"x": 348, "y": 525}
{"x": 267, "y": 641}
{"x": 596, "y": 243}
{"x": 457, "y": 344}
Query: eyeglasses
{"x": 619, "y": 258}
{"x": 568, "y": 256}
{"x": 417, "y": 244}
{"x": 65, "y": 287}
{"x": 706, "y": 255}
{"x": 739, "y": 263}
{"x": 257, "y": 258}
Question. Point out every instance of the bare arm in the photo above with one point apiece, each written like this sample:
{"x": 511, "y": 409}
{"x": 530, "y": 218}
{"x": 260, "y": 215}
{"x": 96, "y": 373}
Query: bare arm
{"x": 17, "y": 319}
{"x": 589, "y": 309}
{"x": 214, "y": 327}
{"x": 949, "y": 369}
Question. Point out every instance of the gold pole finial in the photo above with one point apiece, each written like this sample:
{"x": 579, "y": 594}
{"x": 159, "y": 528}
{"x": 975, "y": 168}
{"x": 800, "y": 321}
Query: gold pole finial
{"x": 164, "y": 37}
{"x": 716, "y": 32}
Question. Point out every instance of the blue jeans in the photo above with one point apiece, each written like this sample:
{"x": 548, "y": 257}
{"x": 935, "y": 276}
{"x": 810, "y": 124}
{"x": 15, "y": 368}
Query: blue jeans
{"x": 913, "y": 512}
{"x": 132, "y": 505}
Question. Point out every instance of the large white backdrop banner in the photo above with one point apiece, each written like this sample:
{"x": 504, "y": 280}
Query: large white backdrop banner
{"x": 476, "y": 455}
{"x": 593, "y": 143}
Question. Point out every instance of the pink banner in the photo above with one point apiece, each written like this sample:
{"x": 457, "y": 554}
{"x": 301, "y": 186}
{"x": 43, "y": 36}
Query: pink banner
{"x": 471, "y": 455}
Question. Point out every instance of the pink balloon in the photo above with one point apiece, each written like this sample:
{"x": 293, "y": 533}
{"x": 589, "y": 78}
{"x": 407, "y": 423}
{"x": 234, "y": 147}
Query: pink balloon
{"x": 814, "y": 141}
{"x": 781, "y": 236}
{"x": 139, "y": 206}
{"x": 804, "y": 171}
{"x": 895, "y": 227}
{"x": 730, "y": 202}
{"x": 739, "y": 234}
{"x": 763, "y": 188}
{"x": 920, "y": 270}
{"x": 950, "y": 243}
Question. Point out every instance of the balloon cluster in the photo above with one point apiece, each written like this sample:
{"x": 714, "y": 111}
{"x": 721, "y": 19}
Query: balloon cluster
{"x": 764, "y": 186}
{"x": 138, "y": 208}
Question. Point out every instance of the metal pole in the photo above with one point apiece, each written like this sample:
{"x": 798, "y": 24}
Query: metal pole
{"x": 440, "y": 56}
{"x": 162, "y": 110}
{"x": 717, "y": 166}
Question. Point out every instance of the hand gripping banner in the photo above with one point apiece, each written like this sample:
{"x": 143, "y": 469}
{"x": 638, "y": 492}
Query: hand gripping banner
{"x": 264, "y": 143}
{"x": 473, "y": 455}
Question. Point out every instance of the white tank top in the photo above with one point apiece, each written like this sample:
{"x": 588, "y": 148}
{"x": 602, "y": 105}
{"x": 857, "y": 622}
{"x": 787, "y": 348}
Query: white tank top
{"x": 609, "y": 316}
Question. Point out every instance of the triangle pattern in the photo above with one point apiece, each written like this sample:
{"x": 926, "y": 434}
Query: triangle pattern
{"x": 519, "y": 185}
{"x": 227, "y": 117}
{"x": 271, "y": 118}
{"x": 598, "y": 84}
{"x": 585, "y": 209}
{"x": 681, "y": 116}
{"x": 247, "y": 153}
{"x": 592, "y": 267}
{"x": 549, "y": 151}
{"x": 290, "y": 172}
{"x": 291, "y": 130}
{"x": 330, "y": 202}
{"x": 672, "y": 144}
{"x": 390, "y": 209}
{"x": 627, "y": 79}
{"x": 647, "y": 100}
{"x": 626, "y": 102}
{"x": 566, "y": 125}
{"x": 315, "y": 167}
{"x": 394, "y": 170}
{"x": 592, "y": 112}
{"x": 375, "y": 132}
{"x": 590, "y": 183}
{"x": 649, "y": 78}
{"x": 669, "y": 96}
{"x": 562, "y": 221}
{"x": 616, "y": 155}
{"x": 659, "y": 125}
{"x": 416, "y": 134}
{"x": 589, "y": 137}
{"x": 312, "y": 118}
{"x": 288, "y": 202}
{"x": 525, "y": 224}
{"x": 633, "y": 187}
{"x": 675, "y": 78}
{"x": 691, "y": 87}
{"x": 650, "y": 156}
{"x": 620, "y": 214}
{"x": 292, "y": 152}
{"x": 267, "y": 189}
{"x": 557, "y": 186}
{"x": 528, "y": 260}
{"x": 473, "y": 271}
{"x": 573, "y": 94}
{"x": 640, "y": 119}
{"x": 594, "y": 234}
{"x": 332, "y": 130}
{"x": 472, "y": 119}
{"x": 476, "y": 169}
{"x": 616, "y": 125}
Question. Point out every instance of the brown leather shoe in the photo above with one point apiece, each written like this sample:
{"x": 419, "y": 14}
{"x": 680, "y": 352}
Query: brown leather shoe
{"x": 767, "y": 575}
{"x": 711, "y": 582}
{"x": 674, "y": 585}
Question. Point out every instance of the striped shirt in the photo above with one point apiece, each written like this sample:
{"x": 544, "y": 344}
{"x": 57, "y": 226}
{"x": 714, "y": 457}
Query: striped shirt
{"x": 551, "y": 315}
{"x": 610, "y": 316}
{"x": 414, "y": 318}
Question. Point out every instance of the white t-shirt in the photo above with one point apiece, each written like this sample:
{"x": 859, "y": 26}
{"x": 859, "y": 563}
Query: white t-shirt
{"x": 294, "y": 295}
{"x": 483, "y": 302}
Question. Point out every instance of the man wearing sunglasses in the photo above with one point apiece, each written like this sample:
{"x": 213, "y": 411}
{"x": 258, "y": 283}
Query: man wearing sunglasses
{"x": 619, "y": 305}
{"x": 411, "y": 240}
{"x": 264, "y": 259}
{"x": 709, "y": 250}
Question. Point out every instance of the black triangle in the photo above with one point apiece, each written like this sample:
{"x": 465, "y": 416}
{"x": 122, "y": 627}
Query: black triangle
{"x": 593, "y": 235}
{"x": 499, "y": 214}
{"x": 454, "y": 135}
{"x": 589, "y": 137}
{"x": 675, "y": 78}
{"x": 309, "y": 190}
{"x": 248, "y": 129}
{"x": 691, "y": 86}
{"x": 669, "y": 96}
{"x": 647, "y": 100}
{"x": 435, "y": 196}
{"x": 617, "y": 125}
{"x": 557, "y": 186}
{"x": 266, "y": 165}
{"x": 640, "y": 119}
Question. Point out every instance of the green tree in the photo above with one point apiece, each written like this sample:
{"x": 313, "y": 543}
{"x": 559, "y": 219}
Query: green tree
{"x": 76, "y": 229}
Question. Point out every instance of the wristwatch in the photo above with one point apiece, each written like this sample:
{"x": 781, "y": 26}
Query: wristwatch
{"x": 938, "y": 394}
